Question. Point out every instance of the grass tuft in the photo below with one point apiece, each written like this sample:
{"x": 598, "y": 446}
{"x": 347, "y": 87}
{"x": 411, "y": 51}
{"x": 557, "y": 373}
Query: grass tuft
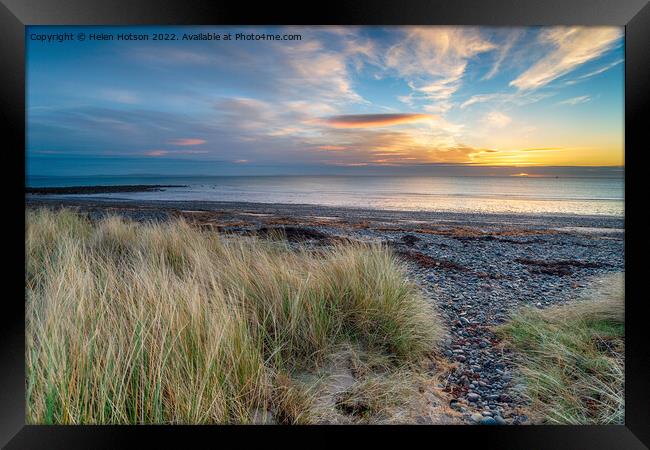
{"x": 132, "y": 323}
{"x": 572, "y": 357}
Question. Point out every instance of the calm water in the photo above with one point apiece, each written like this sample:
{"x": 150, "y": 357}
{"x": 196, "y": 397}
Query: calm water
{"x": 582, "y": 196}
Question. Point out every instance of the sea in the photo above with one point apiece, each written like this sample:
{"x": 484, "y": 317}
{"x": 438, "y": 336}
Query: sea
{"x": 474, "y": 194}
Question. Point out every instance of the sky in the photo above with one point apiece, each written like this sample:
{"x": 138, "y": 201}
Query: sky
{"x": 404, "y": 100}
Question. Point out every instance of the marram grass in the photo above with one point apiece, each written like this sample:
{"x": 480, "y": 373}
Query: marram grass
{"x": 132, "y": 323}
{"x": 571, "y": 357}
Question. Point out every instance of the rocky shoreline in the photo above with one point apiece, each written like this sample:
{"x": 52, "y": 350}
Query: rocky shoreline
{"x": 476, "y": 268}
{"x": 85, "y": 190}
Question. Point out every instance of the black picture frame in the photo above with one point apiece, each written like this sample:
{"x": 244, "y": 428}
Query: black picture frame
{"x": 16, "y": 14}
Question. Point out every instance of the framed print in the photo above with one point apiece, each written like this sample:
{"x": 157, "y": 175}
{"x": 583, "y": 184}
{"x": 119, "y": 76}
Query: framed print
{"x": 420, "y": 216}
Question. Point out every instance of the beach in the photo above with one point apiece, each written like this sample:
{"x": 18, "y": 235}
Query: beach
{"x": 477, "y": 269}
{"x": 377, "y": 225}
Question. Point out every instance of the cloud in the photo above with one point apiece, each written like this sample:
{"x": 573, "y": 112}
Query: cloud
{"x": 252, "y": 119}
{"x": 174, "y": 152}
{"x": 156, "y": 153}
{"x": 497, "y": 119}
{"x": 436, "y": 51}
{"x": 360, "y": 51}
{"x": 319, "y": 67}
{"x": 120, "y": 96}
{"x": 187, "y": 141}
{"x": 88, "y": 129}
{"x": 393, "y": 146}
{"x": 302, "y": 103}
{"x": 572, "y": 46}
{"x": 374, "y": 120}
{"x": 318, "y": 71}
{"x": 483, "y": 98}
{"x": 542, "y": 149}
{"x": 332, "y": 148}
{"x": 595, "y": 72}
{"x": 437, "y": 90}
{"x": 292, "y": 108}
{"x": 190, "y": 152}
{"x": 575, "y": 100}
{"x": 434, "y": 60}
{"x": 504, "y": 49}
{"x": 498, "y": 98}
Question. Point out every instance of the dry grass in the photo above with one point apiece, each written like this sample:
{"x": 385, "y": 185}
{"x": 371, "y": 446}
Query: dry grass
{"x": 380, "y": 398}
{"x": 163, "y": 323}
{"x": 572, "y": 357}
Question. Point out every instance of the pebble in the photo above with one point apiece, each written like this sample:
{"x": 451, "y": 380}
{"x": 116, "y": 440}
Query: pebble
{"x": 488, "y": 421}
{"x": 476, "y": 417}
{"x": 500, "y": 420}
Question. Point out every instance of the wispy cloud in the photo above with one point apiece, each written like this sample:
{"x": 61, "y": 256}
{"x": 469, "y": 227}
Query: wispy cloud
{"x": 187, "y": 141}
{"x": 504, "y": 49}
{"x": 434, "y": 59}
{"x": 120, "y": 96}
{"x": 190, "y": 152}
{"x": 594, "y": 72}
{"x": 571, "y": 47}
{"x": 332, "y": 148}
{"x": 497, "y": 119}
{"x": 320, "y": 70}
{"x": 575, "y": 100}
{"x": 156, "y": 153}
{"x": 174, "y": 152}
{"x": 500, "y": 98}
{"x": 436, "y": 51}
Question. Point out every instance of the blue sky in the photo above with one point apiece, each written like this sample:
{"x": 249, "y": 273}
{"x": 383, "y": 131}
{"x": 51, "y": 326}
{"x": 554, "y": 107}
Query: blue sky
{"x": 341, "y": 98}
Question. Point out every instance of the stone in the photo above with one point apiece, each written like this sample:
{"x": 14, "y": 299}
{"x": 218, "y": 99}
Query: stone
{"x": 410, "y": 239}
{"x": 476, "y": 417}
{"x": 500, "y": 420}
{"x": 488, "y": 421}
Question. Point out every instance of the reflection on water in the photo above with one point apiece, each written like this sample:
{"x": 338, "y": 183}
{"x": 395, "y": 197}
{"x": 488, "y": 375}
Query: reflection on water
{"x": 583, "y": 196}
